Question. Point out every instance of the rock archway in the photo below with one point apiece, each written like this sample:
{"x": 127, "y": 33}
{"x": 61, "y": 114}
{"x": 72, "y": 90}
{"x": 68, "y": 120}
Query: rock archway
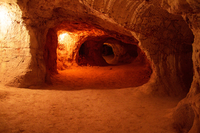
{"x": 70, "y": 46}
{"x": 165, "y": 38}
{"x": 165, "y": 32}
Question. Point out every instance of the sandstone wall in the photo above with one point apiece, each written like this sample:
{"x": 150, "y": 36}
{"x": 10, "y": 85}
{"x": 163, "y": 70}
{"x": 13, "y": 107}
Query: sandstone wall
{"x": 18, "y": 47}
{"x": 14, "y": 45}
{"x": 165, "y": 38}
{"x": 190, "y": 106}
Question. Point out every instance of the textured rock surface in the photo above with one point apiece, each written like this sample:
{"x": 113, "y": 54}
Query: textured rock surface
{"x": 14, "y": 45}
{"x": 167, "y": 38}
{"x": 123, "y": 53}
{"x": 183, "y": 118}
{"x": 190, "y": 11}
{"x": 79, "y": 33}
{"x": 65, "y": 41}
{"x": 161, "y": 36}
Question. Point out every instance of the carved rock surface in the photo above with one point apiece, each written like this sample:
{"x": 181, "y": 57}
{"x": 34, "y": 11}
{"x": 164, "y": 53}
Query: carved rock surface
{"x": 167, "y": 31}
{"x": 190, "y": 11}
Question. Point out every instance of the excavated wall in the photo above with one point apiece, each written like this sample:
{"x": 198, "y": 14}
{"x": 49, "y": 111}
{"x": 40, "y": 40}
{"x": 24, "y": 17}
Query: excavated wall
{"x": 187, "y": 113}
{"x": 165, "y": 38}
{"x": 169, "y": 39}
{"x": 15, "y": 53}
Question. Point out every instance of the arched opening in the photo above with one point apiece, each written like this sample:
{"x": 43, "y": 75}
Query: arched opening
{"x": 91, "y": 58}
{"x": 163, "y": 36}
{"x": 118, "y": 52}
{"x": 108, "y": 53}
{"x": 90, "y": 53}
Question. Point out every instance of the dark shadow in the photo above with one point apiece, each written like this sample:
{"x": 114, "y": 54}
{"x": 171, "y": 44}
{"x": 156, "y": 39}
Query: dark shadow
{"x": 108, "y": 53}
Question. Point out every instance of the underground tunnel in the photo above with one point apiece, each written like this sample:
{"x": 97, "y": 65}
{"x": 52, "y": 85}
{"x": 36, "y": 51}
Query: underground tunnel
{"x": 108, "y": 53}
{"x": 100, "y": 66}
{"x": 92, "y": 58}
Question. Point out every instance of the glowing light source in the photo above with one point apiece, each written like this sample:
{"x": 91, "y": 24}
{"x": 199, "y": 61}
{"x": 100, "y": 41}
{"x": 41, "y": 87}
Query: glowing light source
{"x": 5, "y": 20}
{"x": 62, "y": 37}
{"x": 67, "y": 43}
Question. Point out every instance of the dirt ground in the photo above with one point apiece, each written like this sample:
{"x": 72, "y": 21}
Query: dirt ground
{"x": 106, "y": 77}
{"x": 82, "y": 100}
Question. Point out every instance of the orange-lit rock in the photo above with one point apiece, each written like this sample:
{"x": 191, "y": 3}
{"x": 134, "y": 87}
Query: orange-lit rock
{"x": 40, "y": 38}
{"x": 70, "y": 42}
{"x": 15, "y": 50}
{"x": 189, "y": 10}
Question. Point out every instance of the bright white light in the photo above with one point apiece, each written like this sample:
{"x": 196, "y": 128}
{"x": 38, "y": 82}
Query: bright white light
{"x": 62, "y": 37}
{"x": 5, "y": 20}
{"x": 3, "y": 14}
{"x": 67, "y": 43}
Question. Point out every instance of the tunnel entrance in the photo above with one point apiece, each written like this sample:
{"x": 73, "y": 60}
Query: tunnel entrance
{"x": 108, "y": 53}
{"x": 80, "y": 56}
{"x": 105, "y": 52}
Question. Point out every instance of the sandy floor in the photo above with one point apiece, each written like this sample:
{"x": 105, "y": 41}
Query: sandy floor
{"x": 107, "y": 77}
{"x": 56, "y": 109}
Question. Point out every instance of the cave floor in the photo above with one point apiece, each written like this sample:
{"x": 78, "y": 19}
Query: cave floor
{"x": 125, "y": 110}
{"x": 81, "y": 101}
{"x": 106, "y": 77}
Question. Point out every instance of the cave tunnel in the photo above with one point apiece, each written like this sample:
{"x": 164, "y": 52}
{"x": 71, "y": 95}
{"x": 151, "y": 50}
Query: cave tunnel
{"x": 99, "y": 66}
{"x": 114, "y": 52}
{"x": 82, "y": 54}
{"x": 108, "y": 53}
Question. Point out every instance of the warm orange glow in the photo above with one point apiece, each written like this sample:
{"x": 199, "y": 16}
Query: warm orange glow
{"x": 64, "y": 37}
{"x": 67, "y": 42}
{"x": 4, "y": 16}
{"x": 5, "y": 20}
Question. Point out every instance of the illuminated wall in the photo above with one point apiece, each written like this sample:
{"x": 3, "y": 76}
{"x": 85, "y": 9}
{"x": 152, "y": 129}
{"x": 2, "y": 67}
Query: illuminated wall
{"x": 70, "y": 41}
{"x": 14, "y": 45}
{"x": 159, "y": 36}
{"x": 67, "y": 43}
